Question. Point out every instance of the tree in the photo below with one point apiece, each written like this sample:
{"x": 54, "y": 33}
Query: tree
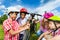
{"x": 2, "y": 18}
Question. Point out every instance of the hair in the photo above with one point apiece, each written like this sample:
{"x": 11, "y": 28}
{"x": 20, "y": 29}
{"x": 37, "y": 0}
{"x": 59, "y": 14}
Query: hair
{"x": 42, "y": 23}
{"x": 45, "y": 23}
{"x": 8, "y": 13}
{"x": 23, "y": 12}
{"x": 11, "y": 11}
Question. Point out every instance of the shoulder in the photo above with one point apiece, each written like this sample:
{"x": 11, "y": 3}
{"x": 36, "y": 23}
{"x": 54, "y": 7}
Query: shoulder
{"x": 18, "y": 18}
{"x": 5, "y": 21}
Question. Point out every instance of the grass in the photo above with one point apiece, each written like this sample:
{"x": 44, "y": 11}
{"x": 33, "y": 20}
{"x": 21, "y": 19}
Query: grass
{"x": 1, "y": 33}
{"x": 33, "y": 37}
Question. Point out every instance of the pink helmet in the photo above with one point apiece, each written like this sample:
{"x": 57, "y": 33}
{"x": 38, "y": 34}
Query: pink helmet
{"x": 48, "y": 15}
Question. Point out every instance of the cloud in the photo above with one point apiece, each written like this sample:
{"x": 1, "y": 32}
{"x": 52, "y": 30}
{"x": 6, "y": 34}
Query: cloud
{"x": 48, "y": 6}
{"x": 17, "y": 6}
{"x": 42, "y": 1}
{"x": 30, "y": 10}
{"x": 2, "y": 8}
{"x": 56, "y": 12}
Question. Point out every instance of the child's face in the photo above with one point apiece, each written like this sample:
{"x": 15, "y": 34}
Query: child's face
{"x": 23, "y": 15}
{"x": 52, "y": 25}
{"x": 13, "y": 15}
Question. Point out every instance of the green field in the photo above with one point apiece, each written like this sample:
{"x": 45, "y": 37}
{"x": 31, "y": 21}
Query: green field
{"x": 1, "y": 33}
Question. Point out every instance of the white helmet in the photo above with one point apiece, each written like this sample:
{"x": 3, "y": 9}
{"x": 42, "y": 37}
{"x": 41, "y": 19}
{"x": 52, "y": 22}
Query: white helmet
{"x": 12, "y": 9}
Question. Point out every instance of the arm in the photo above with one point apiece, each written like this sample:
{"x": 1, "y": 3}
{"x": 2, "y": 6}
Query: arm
{"x": 18, "y": 31}
{"x": 57, "y": 37}
{"x": 42, "y": 35}
{"x": 23, "y": 25}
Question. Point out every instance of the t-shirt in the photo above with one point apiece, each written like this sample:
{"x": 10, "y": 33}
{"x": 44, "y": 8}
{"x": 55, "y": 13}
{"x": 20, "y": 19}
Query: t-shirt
{"x": 41, "y": 27}
{"x": 22, "y": 22}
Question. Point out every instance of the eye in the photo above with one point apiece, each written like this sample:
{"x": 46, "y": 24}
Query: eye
{"x": 16, "y": 13}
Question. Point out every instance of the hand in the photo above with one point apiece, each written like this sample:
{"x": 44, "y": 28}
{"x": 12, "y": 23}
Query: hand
{"x": 33, "y": 19}
{"x": 27, "y": 23}
{"x": 28, "y": 26}
{"x": 37, "y": 21}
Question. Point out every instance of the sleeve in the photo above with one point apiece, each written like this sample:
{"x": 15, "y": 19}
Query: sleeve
{"x": 6, "y": 26}
{"x": 18, "y": 19}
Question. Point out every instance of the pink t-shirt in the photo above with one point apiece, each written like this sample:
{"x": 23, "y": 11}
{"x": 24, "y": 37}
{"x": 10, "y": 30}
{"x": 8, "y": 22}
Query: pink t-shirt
{"x": 41, "y": 27}
{"x": 7, "y": 26}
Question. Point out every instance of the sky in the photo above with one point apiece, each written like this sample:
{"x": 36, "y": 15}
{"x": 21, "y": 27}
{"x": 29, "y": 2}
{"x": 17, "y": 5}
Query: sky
{"x": 37, "y": 6}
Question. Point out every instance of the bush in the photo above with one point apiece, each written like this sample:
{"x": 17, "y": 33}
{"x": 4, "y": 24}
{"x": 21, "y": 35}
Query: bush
{"x": 2, "y": 18}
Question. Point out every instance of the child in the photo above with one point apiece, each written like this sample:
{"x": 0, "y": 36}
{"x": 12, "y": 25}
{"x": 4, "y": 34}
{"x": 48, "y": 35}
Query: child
{"x": 11, "y": 27}
{"x": 45, "y": 23}
{"x": 56, "y": 21}
{"x": 46, "y": 15}
{"x": 48, "y": 34}
{"x": 22, "y": 21}
{"x": 43, "y": 26}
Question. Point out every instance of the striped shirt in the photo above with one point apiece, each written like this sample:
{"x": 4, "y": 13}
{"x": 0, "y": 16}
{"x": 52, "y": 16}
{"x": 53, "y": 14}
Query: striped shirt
{"x": 7, "y": 26}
